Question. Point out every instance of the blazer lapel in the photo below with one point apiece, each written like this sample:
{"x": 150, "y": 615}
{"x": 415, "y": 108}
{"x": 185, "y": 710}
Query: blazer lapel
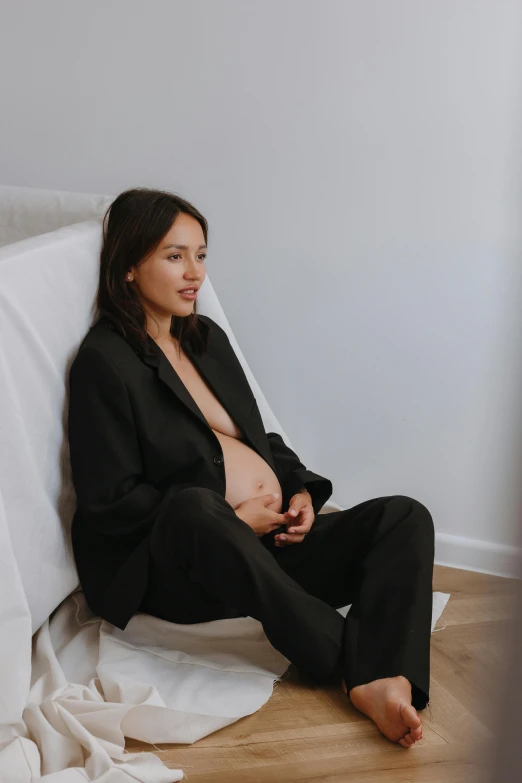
{"x": 225, "y": 389}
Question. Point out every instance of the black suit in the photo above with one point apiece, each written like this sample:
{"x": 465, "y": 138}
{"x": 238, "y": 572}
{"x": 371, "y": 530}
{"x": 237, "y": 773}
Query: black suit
{"x": 136, "y": 439}
{"x": 154, "y": 533}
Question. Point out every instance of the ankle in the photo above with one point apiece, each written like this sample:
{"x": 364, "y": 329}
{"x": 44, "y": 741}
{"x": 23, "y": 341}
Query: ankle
{"x": 400, "y": 679}
{"x": 383, "y": 683}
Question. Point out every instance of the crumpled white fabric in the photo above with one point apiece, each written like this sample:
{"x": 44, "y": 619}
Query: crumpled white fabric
{"x": 92, "y": 685}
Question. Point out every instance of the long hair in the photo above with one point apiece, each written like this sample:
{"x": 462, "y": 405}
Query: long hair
{"x": 133, "y": 226}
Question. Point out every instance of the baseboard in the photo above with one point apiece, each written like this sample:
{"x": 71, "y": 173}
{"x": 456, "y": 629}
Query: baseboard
{"x": 471, "y": 554}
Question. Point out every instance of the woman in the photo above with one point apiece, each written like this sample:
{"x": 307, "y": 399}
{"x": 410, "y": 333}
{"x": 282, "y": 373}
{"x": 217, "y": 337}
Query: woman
{"x": 189, "y": 511}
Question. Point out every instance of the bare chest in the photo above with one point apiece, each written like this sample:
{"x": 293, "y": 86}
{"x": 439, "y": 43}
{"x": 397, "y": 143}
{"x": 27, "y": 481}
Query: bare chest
{"x": 216, "y": 415}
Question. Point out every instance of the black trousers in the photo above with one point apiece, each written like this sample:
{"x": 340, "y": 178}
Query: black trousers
{"x": 207, "y": 564}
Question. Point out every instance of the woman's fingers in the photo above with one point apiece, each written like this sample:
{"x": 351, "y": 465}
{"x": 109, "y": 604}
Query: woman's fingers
{"x": 288, "y": 538}
{"x": 296, "y": 530}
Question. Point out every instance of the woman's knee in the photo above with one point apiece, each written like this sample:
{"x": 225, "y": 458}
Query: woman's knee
{"x": 417, "y": 514}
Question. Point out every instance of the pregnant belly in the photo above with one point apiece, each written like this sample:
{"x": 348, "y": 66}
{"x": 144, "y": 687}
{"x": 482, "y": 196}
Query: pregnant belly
{"x": 248, "y": 475}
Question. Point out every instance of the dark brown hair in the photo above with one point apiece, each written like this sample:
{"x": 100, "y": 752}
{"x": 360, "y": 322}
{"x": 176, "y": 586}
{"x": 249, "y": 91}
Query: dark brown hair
{"x": 133, "y": 226}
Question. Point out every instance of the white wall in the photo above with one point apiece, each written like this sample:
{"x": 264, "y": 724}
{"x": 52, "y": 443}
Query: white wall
{"x": 359, "y": 166}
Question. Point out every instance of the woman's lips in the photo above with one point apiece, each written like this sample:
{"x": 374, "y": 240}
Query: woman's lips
{"x": 188, "y": 296}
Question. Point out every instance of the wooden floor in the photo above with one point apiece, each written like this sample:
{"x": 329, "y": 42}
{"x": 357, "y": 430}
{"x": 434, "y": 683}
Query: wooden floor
{"x": 310, "y": 733}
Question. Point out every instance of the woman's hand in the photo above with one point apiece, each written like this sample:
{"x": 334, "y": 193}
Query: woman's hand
{"x": 257, "y": 514}
{"x": 300, "y": 516}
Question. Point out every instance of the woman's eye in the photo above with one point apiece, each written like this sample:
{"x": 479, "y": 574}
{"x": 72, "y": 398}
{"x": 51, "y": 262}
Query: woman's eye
{"x": 202, "y": 256}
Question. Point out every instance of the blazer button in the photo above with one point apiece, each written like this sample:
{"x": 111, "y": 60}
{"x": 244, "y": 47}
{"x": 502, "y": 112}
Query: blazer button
{"x": 218, "y": 459}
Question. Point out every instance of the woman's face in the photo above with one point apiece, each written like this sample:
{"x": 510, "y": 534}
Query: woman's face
{"x": 178, "y": 262}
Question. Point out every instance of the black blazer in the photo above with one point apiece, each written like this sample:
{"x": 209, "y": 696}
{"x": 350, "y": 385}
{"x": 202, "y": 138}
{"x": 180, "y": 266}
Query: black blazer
{"x": 136, "y": 438}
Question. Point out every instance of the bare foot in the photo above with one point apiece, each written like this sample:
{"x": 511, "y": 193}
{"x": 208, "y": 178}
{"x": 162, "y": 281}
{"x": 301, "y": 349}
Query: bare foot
{"x": 388, "y": 703}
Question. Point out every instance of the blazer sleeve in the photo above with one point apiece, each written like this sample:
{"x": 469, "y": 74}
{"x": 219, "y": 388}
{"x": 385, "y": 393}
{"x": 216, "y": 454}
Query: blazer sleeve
{"x": 105, "y": 455}
{"x": 296, "y": 476}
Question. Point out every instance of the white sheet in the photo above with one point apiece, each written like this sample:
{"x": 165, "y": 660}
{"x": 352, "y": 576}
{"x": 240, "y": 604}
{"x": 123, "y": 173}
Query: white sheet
{"x": 66, "y": 704}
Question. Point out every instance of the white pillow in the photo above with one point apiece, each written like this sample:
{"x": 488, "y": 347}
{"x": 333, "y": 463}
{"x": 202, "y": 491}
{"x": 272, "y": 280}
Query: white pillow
{"x": 27, "y": 212}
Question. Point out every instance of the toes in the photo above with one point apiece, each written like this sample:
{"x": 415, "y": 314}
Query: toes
{"x": 404, "y": 743}
{"x": 410, "y": 717}
{"x": 416, "y": 733}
